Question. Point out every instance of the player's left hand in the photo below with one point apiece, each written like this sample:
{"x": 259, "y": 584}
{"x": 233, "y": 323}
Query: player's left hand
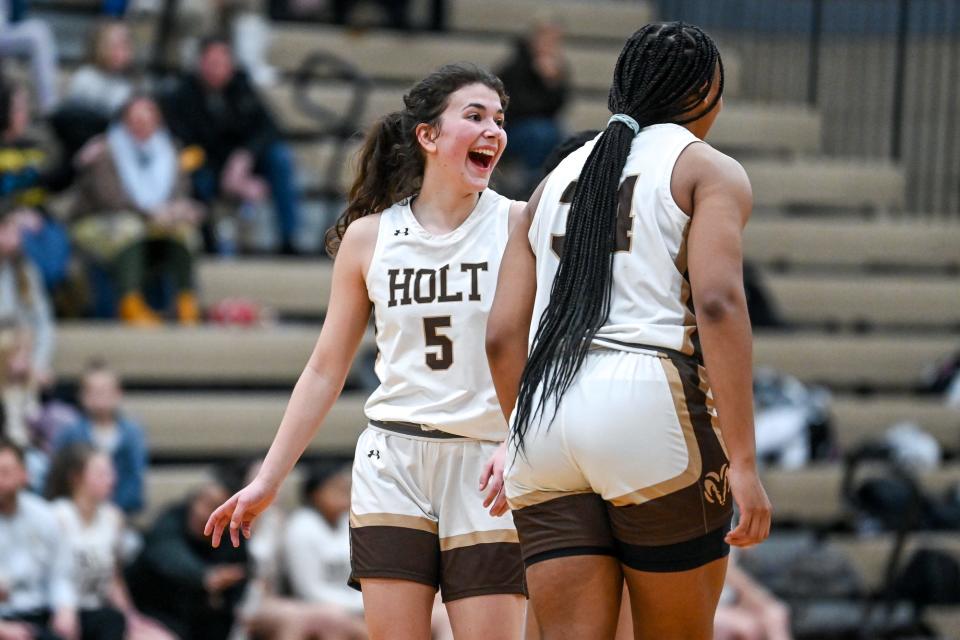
{"x": 491, "y": 480}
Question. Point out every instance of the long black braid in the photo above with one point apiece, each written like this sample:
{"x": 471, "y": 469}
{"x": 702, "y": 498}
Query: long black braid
{"x": 663, "y": 73}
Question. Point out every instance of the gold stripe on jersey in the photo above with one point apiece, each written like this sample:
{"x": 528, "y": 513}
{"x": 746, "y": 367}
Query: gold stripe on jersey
{"x": 690, "y": 475}
{"x": 393, "y": 520}
{"x": 711, "y": 406}
{"x": 478, "y": 537}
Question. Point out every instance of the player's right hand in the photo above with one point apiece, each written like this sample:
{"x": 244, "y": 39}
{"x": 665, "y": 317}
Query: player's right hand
{"x": 239, "y": 512}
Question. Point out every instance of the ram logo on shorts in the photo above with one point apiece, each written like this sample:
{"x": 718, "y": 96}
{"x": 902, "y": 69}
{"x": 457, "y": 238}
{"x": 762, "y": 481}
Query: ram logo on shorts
{"x": 716, "y": 486}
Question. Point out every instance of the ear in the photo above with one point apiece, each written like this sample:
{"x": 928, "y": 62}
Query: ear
{"x": 427, "y": 137}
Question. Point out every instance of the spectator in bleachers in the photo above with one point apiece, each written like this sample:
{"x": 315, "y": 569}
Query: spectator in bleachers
{"x": 26, "y": 329}
{"x": 133, "y": 215}
{"x": 80, "y": 484}
{"x": 98, "y": 89}
{"x": 37, "y": 598}
{"x": 218, "y": 110}
{"x": 31, "y": 38}
{"x": 265, "y": 612}
{"x": 747, "y": 611}
{"x": 106, "y": 428}
{"x": 317, "y": 544}
{"x": 537, "y": 79}
{"x": 179, "y": 579}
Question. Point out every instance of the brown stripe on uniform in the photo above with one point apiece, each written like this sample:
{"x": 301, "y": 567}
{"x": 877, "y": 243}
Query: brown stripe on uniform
{"x": 574, "y": 520}
{"x": 567, "y": 196}
{"x": 688, "y": 476}
{"x": 478, "y": 537}
{"x": 393, "y": 520}
{"x": 398, "y": 553}
{"x": 481, "y": 570}
{"x": 687, "y": 513}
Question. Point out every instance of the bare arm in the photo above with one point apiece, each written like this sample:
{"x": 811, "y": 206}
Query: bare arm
{"x": 508, "y": 327}
{"x": 721, "y": 206}
{"x": 318, "y": 387}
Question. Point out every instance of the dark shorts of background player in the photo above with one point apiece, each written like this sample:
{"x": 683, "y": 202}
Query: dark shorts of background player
{"x": 403, "y": 553}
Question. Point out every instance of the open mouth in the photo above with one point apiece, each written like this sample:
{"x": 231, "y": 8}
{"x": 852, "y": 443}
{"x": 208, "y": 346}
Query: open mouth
{"x": 482, "y": 157}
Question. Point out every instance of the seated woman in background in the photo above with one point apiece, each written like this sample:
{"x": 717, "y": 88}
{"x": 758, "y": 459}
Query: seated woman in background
{"x": 98, "y": 89}
{"x": 80, "y": 485}
{"x": 132, "y": 214}
{"x": 26, "y": 328}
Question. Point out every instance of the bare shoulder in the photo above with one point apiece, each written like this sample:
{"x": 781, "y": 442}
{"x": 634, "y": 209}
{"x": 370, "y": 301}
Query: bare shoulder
{"x": 706, "y": 164}
{"x": 518, "y": 214}
{"x": 359, "y": 241}
{"x": 703, "y": 171}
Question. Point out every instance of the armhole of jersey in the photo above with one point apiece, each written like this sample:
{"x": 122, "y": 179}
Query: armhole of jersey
{"x": 535, "y": 220}
{"x": 376, "y": 249}
{"x": 666, "y": 180}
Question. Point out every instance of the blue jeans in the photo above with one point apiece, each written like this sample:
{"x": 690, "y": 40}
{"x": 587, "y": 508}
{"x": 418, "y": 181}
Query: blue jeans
{"x": 530, "y": 141}
{"x": 275, "y": 164}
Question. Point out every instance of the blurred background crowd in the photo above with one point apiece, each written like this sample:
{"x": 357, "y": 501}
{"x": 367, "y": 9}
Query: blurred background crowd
{"x": 167, "y": 170}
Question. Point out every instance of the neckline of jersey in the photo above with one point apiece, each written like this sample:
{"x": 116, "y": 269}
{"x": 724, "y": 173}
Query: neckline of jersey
{"x": 458, "y": 231}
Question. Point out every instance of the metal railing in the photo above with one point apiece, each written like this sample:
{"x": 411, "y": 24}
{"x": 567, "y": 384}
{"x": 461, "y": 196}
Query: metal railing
{"x": 884, "y": 75}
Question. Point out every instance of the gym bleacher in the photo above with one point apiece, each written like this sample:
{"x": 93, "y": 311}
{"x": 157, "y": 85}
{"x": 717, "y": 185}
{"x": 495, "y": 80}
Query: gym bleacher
{"x": 870, "y": 300}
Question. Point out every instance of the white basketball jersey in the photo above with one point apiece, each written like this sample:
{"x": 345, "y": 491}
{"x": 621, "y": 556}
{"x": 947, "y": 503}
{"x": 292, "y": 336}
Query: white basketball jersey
{"x": 432, "y": 296}
{"x": 650, "y": 299}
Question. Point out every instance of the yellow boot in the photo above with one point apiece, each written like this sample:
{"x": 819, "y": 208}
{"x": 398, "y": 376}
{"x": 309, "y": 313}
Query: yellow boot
{"x": 134, "y": 310}
{"x": 188, "y": 309}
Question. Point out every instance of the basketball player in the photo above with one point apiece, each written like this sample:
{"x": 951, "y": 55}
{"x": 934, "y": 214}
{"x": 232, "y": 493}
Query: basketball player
{"x": 420, "y": 243}
{"x": 623, "y": 453}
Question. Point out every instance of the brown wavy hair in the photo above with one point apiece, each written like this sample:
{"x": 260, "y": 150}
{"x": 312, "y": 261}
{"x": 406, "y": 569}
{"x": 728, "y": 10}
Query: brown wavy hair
{"x": 390, "y": 163}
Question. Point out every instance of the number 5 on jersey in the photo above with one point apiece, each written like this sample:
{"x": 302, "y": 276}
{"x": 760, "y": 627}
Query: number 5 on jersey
{"x": 442, "y": 359}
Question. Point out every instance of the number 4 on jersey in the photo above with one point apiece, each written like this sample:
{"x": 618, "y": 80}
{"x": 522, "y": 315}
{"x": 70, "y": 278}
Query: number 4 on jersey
{"x": 624, "y": 215}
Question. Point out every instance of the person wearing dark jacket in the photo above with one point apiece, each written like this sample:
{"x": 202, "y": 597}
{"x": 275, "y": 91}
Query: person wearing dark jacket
{"x": 180, "y": 580}
{"x": 217, "y": 109}
{"x": 537, "y": 79}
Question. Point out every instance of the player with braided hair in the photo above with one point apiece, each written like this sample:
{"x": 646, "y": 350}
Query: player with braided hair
{"x": 623, "y": 455}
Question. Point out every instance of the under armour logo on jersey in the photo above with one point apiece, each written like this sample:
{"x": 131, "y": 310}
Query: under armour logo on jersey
{"x": 406, "y": 231}
{"x": 374, "y": 453}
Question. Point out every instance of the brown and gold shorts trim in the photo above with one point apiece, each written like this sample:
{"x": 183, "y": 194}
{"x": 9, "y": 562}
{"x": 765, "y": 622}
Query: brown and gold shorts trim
{"x": 461, "y": 566}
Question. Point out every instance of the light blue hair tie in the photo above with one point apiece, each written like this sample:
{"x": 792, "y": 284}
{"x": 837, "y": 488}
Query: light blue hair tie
{"x": 627, "y": 120}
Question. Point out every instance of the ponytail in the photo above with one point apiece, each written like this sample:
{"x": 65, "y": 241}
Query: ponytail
{"x": 390, "y": 163}
{"x": 389, "y": 169}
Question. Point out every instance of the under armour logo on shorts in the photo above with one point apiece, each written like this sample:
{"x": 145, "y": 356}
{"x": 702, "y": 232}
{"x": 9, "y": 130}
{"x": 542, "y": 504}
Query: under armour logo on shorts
{"x": 406, "y": 231}
{"x": 374, "y": 453}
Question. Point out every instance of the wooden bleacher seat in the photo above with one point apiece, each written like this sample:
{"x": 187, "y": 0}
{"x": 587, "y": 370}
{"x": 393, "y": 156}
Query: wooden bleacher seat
{"x": 614, "y": 21}
{"x": 213, "y": 356}
{"x": 812, "y": 495}
{"x": 852, "y": 243}
{"x": 781, "y": 128}
{"x": 874, "y": 300}
{"x": 860, "y": 419}
{"x": 827, "y": 182}
{"x": 191, "y": 424}
{"x": 779, "y": 183}
{"x": 397, "y": 57}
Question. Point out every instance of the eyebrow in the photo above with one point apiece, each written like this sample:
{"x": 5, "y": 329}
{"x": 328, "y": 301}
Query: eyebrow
{"x": 477, "y": 105}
